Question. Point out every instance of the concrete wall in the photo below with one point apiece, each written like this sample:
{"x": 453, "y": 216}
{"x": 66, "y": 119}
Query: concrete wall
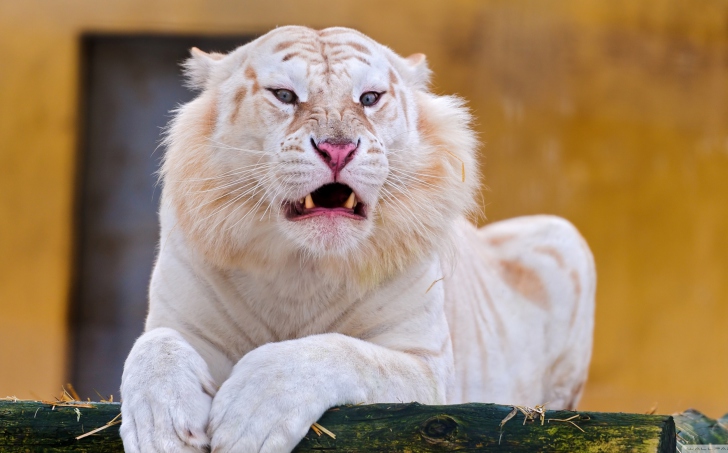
{"x": 612, "y": 114}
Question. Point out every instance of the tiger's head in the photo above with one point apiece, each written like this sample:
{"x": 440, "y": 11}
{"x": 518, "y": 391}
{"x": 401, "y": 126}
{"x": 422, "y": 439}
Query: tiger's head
{"x": 317, "y": 146}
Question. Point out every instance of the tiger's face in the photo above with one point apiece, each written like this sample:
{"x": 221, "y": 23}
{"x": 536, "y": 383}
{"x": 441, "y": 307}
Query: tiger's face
{"x": 326, "y": 109}
{"x": 318, "y": 143}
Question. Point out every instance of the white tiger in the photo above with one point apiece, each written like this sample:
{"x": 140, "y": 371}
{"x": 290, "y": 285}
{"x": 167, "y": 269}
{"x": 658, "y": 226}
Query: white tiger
{"x": 313, "y": 253}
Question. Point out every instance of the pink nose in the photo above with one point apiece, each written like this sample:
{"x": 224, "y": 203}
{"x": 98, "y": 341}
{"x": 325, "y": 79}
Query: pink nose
{"x": 336, "y": 154}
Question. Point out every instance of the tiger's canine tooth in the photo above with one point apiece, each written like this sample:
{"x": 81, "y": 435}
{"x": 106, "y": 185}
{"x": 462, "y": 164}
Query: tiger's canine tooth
{"x": 309, "y": 202}
{"x": 350, "y": 202}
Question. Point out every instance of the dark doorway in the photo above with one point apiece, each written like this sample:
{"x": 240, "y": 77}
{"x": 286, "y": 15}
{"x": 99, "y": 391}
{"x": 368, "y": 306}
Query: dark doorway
{"x": 130, "y": 85}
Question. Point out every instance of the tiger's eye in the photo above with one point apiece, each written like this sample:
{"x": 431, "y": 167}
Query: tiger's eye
{"x": 285, "y": 96}
{"x": 369, "y": 98}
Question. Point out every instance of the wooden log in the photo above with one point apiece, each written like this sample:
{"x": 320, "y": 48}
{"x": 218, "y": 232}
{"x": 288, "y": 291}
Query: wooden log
{"x": 30, "y": 426}
{"x": 476, "y": 427}
{"x": 33, "y": 426}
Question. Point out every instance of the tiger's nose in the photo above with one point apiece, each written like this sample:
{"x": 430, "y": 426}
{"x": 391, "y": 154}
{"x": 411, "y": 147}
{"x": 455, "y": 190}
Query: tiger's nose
{"x": 336, "y": 153}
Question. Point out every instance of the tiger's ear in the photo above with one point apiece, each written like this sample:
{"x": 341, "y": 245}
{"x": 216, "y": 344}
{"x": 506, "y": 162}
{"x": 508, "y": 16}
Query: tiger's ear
{"x": 417, "y": 70}
{"x": 198, "y": 68}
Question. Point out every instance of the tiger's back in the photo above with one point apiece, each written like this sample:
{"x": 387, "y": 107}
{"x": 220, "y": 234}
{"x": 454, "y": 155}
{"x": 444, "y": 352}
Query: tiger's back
{"x": 520, "y": 307}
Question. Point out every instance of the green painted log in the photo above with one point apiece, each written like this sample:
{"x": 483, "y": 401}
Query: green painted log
{"x": 27, "y": 426}
{"x": 476, "y": 427}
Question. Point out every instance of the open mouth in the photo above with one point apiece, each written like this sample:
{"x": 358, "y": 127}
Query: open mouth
{"x": 331, "y": 199}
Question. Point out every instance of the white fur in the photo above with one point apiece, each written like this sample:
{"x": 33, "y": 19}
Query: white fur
{"x": 258, "y": 324}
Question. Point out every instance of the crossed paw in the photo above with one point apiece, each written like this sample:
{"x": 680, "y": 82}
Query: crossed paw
{"x": 266, "y": 405}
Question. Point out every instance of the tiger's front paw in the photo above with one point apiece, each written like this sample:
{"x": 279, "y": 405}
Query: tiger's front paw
{"x": 166, "y": 395}
{"x": 269, "y": 402}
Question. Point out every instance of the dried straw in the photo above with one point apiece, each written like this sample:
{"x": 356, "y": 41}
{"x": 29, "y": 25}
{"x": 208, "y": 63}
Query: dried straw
{"x": 324, "y": 430}
{"x": 112, "y": 422}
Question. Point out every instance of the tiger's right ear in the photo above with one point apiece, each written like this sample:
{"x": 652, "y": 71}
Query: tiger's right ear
{"x": 198, "y": 68}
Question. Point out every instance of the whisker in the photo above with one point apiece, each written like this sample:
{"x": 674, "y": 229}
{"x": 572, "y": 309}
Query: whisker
{"x": 257, "y": 204}
{"x": 221, "y": 145}
{"x": 274, "y": 197}
{"x": 412, "y": 179}
{"x": 417, "y": 205}
{"x": 242, "y": 187}
{"x": 414, "y": 173}
{"x": 446, "y": 150}
{"x": 391, "y": 198}
{"x": 234, "y": 199}
{"x": 221, "y": 187}
{"x": 236, "y": 171}
{"x": 255, "y": 190}
{"x": 254, "y": 209}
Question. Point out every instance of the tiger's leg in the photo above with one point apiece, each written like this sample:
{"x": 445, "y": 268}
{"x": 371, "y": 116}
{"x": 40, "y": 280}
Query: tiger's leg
{"x": 166, "y": 392}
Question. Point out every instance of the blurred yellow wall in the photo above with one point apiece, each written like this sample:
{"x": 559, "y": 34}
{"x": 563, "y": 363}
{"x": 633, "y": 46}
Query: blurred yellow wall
{"x": 613, "y": 114}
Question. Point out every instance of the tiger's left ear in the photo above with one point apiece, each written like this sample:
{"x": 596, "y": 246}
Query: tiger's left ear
{"x": 198, "y": 68}
{"x": 417, "y": 70}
